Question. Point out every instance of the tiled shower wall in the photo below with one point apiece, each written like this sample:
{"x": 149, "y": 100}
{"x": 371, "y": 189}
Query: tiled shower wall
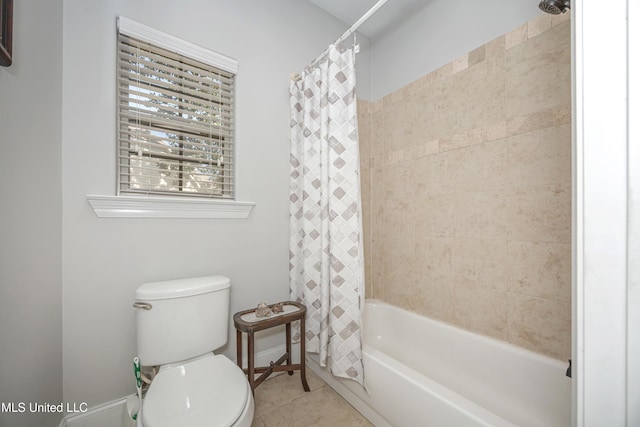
{"x": 466, "y": 186}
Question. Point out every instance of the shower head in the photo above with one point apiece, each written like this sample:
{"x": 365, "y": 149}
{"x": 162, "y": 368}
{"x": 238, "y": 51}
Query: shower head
{"x": 554, "y": 7}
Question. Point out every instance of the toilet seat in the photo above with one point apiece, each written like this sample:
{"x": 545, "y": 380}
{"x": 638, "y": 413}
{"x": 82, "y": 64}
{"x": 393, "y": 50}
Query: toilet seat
{"x": 207, "y": 391}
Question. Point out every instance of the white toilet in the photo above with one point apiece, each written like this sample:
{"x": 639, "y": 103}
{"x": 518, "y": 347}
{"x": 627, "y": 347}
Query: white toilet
{"x": 180, "y": 323}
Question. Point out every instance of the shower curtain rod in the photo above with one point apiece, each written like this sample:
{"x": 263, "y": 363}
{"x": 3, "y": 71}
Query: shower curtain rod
{"x": 355, "y": 26}
{"x": 361, "y": 21}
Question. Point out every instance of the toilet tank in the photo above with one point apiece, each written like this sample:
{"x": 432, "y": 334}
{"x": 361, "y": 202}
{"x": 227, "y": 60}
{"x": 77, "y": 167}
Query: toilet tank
{"x": 181, "y": 319}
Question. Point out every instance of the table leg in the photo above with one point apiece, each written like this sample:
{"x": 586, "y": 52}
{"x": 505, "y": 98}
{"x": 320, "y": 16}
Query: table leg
{"x": 239, "y": 348}
{"x": 288, "y": 345}
{"x": 251, "y": 367}
{"x": 303, "y": 353}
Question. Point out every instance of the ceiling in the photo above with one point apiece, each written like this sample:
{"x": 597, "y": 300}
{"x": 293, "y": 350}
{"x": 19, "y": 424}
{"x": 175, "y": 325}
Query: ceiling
{"x": 349, "y": 11}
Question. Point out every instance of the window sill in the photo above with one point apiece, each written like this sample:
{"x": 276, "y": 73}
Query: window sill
{"x": 161, "y": 207}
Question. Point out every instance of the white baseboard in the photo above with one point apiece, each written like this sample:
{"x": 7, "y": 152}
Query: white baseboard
{"x": 109, "y": 414}
{"x": 262, "y": 358}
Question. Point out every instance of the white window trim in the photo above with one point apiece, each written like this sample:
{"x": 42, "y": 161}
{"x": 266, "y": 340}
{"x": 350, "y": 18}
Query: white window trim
{"x": 170, "y": 207}
{"x": 167, "y": 207}
{"x": 139, "y": 32}
{"x": 174, "y": 44}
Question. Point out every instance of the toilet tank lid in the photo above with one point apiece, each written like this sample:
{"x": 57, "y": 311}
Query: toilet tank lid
{"x": 182, "y": 287}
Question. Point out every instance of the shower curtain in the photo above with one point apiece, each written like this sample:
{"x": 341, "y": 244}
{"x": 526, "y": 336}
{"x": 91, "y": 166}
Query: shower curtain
{"x": 326, "y": 257}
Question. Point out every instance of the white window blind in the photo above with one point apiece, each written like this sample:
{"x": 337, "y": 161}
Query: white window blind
{"x": 175, "y": 116}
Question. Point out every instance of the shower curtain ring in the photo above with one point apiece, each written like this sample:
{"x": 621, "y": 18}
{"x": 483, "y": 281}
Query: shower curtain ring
{"x": 356, "y": 46}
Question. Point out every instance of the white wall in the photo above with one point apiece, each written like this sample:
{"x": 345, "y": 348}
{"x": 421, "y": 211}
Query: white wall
{"x": 633, "y": 257}
{"x": 105, "y": 260}
{"x": 30, "y": 214}
{"x": 437, "y": 33}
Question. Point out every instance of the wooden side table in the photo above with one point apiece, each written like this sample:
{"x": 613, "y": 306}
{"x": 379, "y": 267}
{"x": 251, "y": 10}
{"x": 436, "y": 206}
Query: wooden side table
{"x": 247, "y": 322}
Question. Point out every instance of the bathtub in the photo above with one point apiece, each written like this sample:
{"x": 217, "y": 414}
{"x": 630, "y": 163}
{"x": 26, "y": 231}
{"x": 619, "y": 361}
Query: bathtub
{"x": 421, "y": 372}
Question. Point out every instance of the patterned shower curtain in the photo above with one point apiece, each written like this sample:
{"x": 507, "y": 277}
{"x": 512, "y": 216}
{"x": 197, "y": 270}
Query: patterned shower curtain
{"x": 326, "y": 257}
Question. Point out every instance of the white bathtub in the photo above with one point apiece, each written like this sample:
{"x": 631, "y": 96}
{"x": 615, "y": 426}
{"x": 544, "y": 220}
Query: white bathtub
{"x": 421, "y": 372}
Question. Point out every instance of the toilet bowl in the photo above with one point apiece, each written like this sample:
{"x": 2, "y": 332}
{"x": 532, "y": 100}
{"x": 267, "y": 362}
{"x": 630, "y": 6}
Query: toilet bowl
{"x": 208, "y": 391}
{"x": 180, "y": 323}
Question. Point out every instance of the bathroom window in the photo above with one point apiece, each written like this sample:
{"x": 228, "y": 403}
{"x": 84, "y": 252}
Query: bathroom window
{"x": 175, "y": 113}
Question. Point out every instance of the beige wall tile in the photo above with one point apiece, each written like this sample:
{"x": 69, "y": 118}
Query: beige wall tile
{"x": 434, "y": 255}
{"x": 478, "y": 135}
{"x": 421, "y": 149}
{"x": 376, "y": 126}
{"x": 481, "y": 262}
{"x": 376, "y": 106}
{"x": 395, "y": 222}
{"x": 539, "y": 213}
{"x": 377, "y": 196}
{"x": 481, "y": 214}
{"x": 541, "y": 325}
{"x": 546, "y": 42}
{"x": 393, "y": 98}
{"x": 376, "y": 284}
{"x": 367, "y": 246}
{"x": 539, "y": 83}
{"x": 434, "y": 296}
{"x": 461, "y": 139}
{"x": 364, "y": 131}
{"x": 495, "y": 50}
{"x": 540, "y": 157}
{"x": 538, "y": 74}
{"x": 554, "y": 116}
{"x": 422, "y": 83}
{"x": 399, "y": 290}
{"x": 434, "y": 215}
{"x": 392, "y": 158}
{"x": 443, "y": 72}
{"x": 434, "y": 174}
{"x": 516, "y": 36}
{"x": 377, "y": 228}
{"x": 399, "y": 220}
{"x": 476, "y": 97}
{"x": 397, "y": 185}
{"x": 434, "y": 277}
{"x": 560, "y": 19}
{"x": 364, "y": 142}
{"x": 368, "y": 280}
{"x": 433, "y": 112}
{"x": 538, "y": 25}
{"x": 399, "y": 125}
{"x": 479, "y": 309}
{"x": 539, "y": 269}
{"x": 476, "y": 56}
{"x": 461, "y": 63}
{"x": 365, "y": 184}
{"x": 481, "y": 167}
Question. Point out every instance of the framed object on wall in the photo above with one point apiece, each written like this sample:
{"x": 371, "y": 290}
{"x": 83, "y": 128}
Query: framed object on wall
{"x": 6, "y": 31}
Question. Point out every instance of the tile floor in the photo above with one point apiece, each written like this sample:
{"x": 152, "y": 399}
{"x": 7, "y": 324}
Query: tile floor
{"x": 282, "y": 402}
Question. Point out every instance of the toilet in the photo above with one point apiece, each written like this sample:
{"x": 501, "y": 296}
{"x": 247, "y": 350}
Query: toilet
{"x": 180, "y": 323}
